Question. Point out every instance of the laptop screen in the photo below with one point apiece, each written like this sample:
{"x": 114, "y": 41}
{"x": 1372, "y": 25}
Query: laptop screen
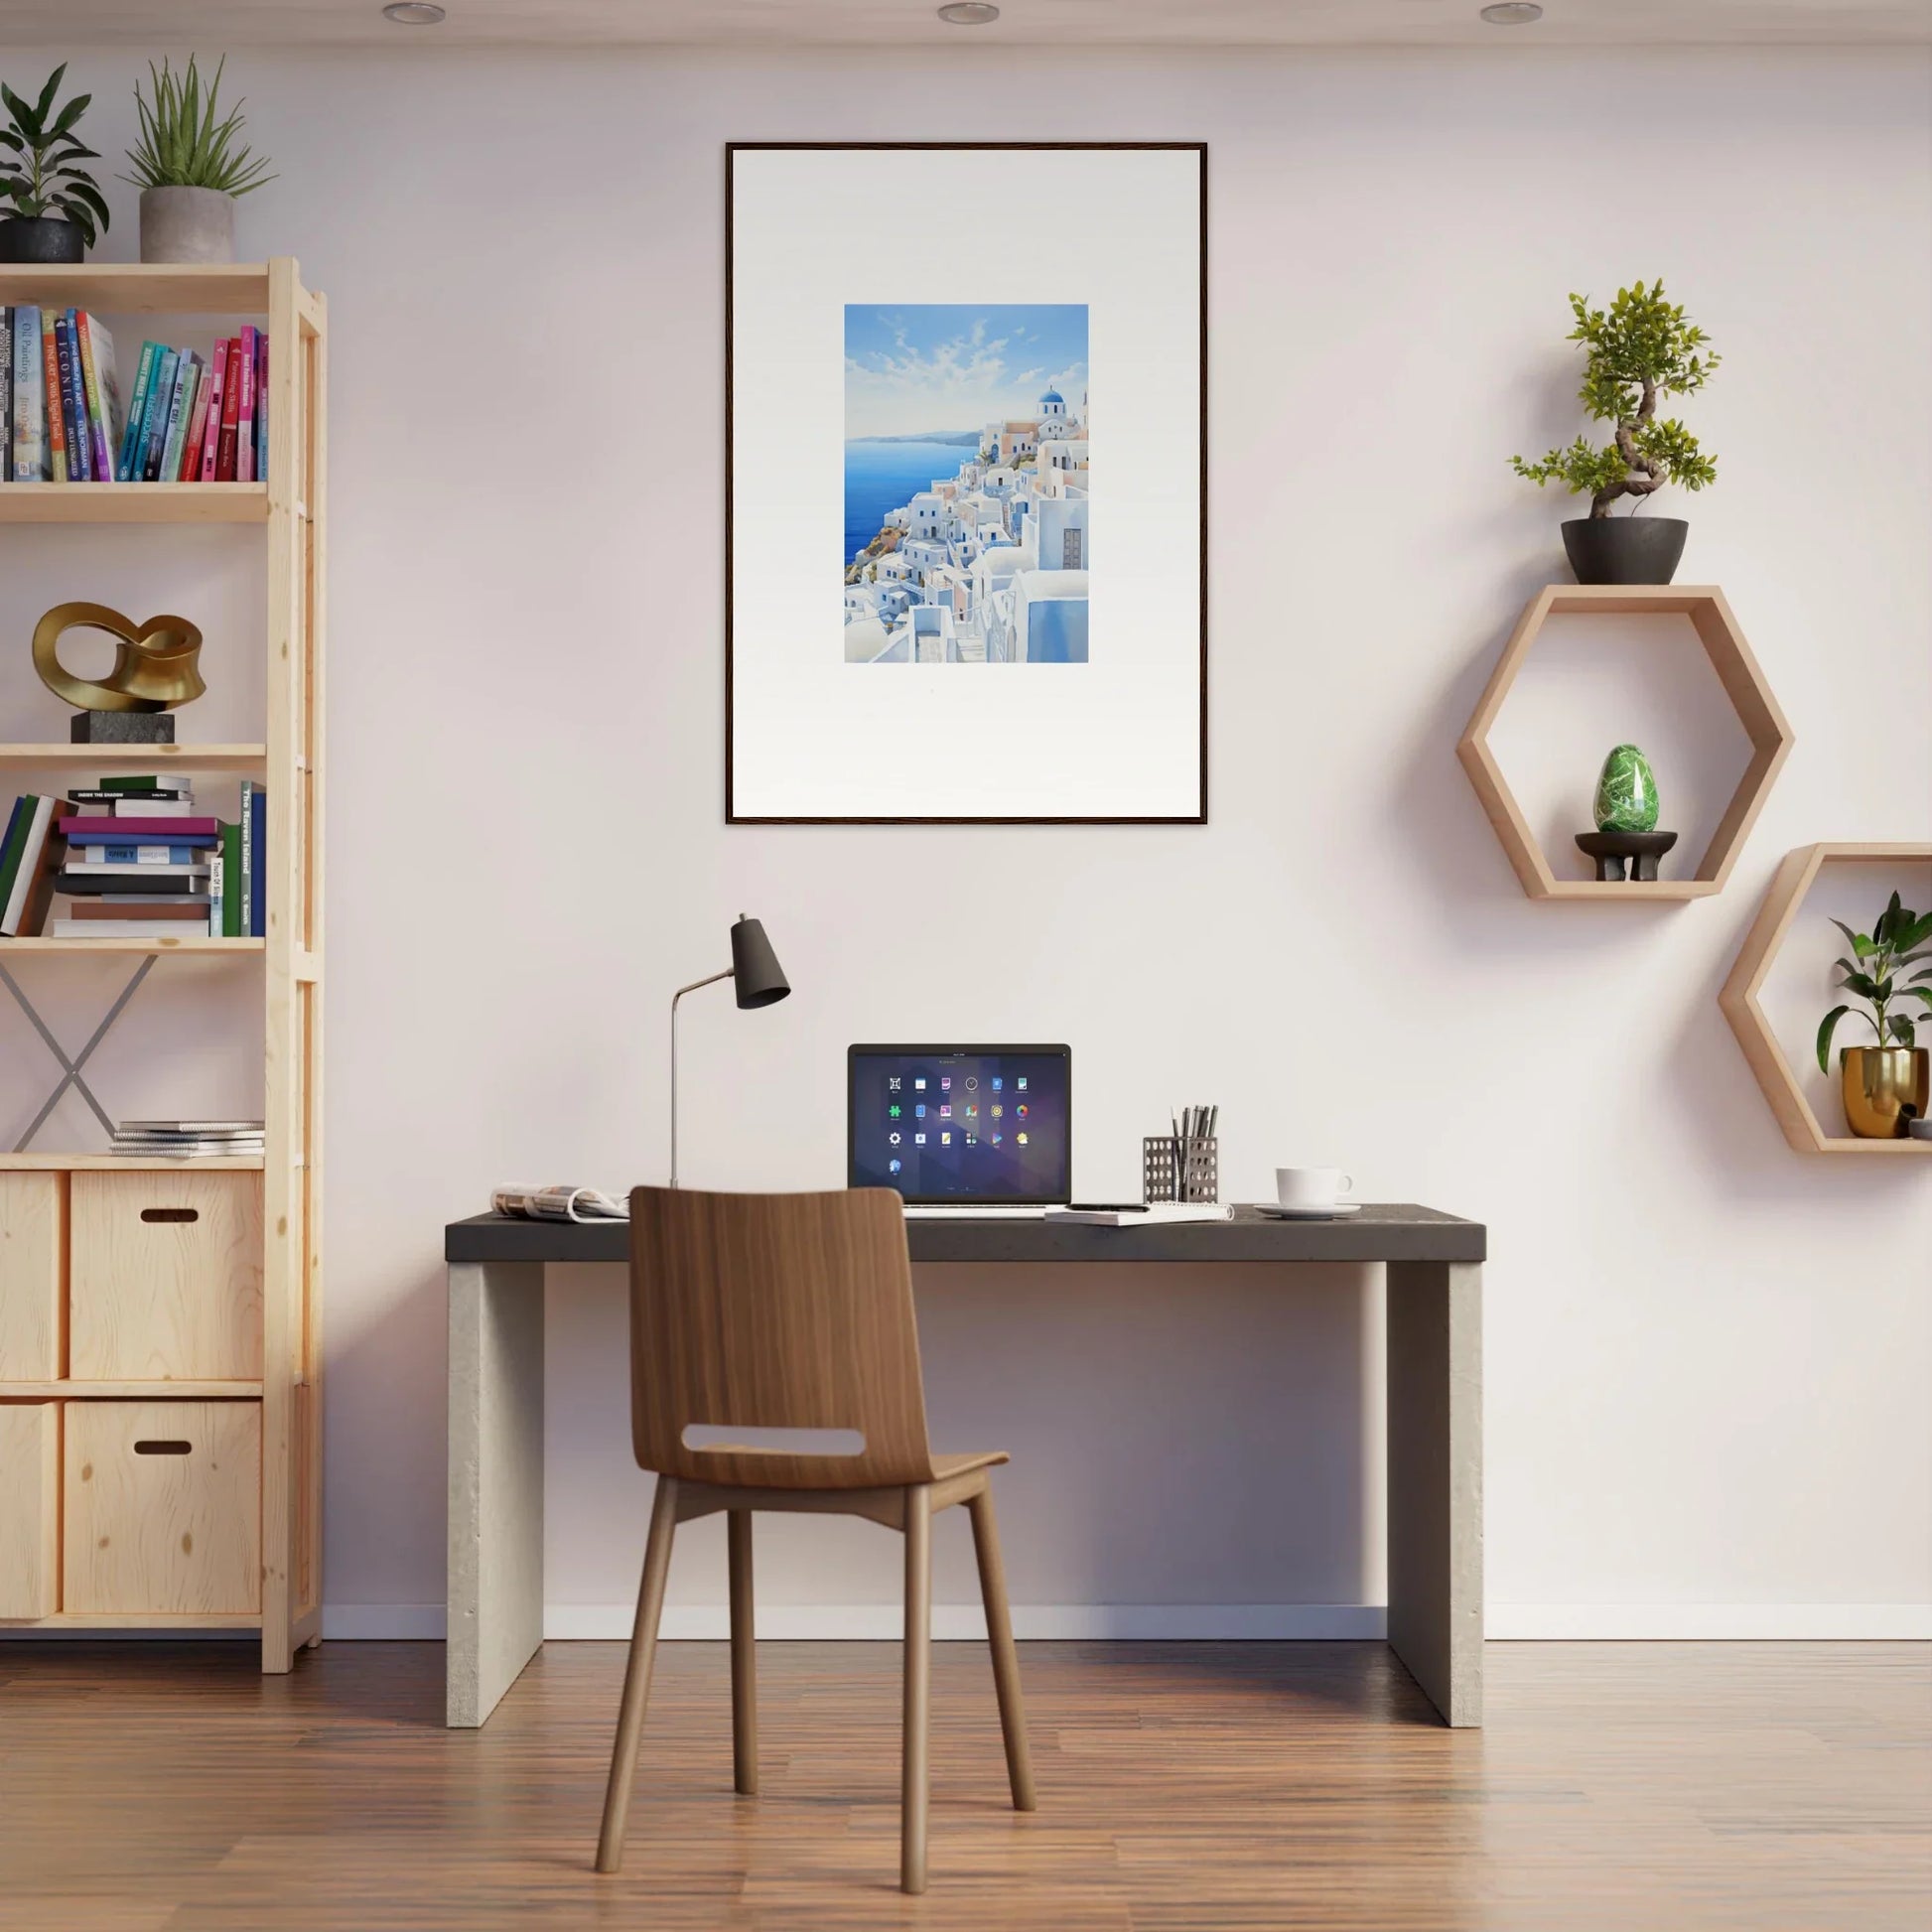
{"x": 964, "y": 1123}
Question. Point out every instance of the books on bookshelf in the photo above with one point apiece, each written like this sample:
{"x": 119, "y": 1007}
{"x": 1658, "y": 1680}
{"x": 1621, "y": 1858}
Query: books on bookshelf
{"x": 188, "y": 1140}
{"x": 135, "y": 860}
{"x": 189, "y": 418}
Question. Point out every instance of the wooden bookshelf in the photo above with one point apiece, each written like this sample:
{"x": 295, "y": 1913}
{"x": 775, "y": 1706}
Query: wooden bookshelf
{"x": 288, "y": 508}
{"x": 107, "y": 757}
{"x": 134, "y": 503}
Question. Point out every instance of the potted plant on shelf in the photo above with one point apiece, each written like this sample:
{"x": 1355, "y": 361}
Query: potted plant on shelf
{"x": 1885, "y": 1085}
{"x": 54, "y": 207}
{"x": 1638, "y": 351}
{"x": 187, "y": 168}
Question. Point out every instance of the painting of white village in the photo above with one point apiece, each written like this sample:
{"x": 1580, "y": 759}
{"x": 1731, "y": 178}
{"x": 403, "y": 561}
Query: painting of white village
{"x": 966, "y": 485}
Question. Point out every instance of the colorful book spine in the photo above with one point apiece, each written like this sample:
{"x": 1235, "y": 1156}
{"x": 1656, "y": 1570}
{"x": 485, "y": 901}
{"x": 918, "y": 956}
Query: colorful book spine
{"x": 179, "y": 412}
{"x": 56, "y": 427}
{"x": 258, "y": 864}
{"x": 218, "y": 370}
{"x": 230, "y": 416}
{"x": 138, "y": 855}
{"x": 73, "y": 402}
{"x": 137, "y": 409}
{"x": 10, "y": 846}
{"x": 246, "y": 888}
{"x": 97, "y": 381}
{"x": 244, "y": 461}
{"x": 154, "y": 431}
{"x": 6, "y": 395}
{"x": 190, "y": 466}
{"x": 231, "y": 881}
{"x": 217, "y": 892}
{"x": 30, "y": 418}
{"x": 261, "y": 407}
{"x": 33, "y": 882}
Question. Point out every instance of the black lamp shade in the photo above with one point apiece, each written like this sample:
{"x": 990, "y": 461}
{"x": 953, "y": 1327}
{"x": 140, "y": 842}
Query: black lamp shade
{"x": 757, "y": 977}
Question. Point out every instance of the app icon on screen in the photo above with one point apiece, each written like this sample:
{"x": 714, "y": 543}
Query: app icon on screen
{"x": 1020, "y": 1110}
{"x": 996, "y": 1140}
{"x": 945, "y": 1112}
{"x": 919, "y": 1139}
{"x": 997, "y": 1083}
{"x": 893, "y": 1110}
{"x": 1021, "y": 1138}
{"x": 893, "y": 1167}
{"x": 945, "y": 1083}
{"x": 971, "y": 1141}
{"x": 892, "y": 1084}
{"x": 918, "y": 1109}
{"x": 918, "y": 1083}
{"x": 946, "y": 1140}
{"x": 998, "y": 1110}
{"x": 1021, "y": 1083}
{"x": 972, "y": 1080}
{"x": 971, "y": 1112}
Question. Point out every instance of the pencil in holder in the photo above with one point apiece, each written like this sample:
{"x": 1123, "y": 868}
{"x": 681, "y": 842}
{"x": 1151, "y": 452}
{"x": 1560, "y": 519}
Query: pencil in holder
{"x": 1178, "y": 1169}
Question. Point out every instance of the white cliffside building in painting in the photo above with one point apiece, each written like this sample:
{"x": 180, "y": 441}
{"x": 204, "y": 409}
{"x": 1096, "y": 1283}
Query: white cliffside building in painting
{"x": 990, "y": 565}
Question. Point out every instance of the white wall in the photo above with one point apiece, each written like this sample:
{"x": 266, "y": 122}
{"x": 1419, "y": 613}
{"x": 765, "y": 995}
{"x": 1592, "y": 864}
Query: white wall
{"x": 1707, "y": 1357}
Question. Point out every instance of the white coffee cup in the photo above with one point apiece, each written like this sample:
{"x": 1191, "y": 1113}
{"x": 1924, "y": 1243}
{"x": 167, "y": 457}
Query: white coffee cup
{"x": 1312, "y": 1186}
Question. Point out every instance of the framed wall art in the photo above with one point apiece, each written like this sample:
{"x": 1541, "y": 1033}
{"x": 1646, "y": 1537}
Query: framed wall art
{"x": 966, "y": 482}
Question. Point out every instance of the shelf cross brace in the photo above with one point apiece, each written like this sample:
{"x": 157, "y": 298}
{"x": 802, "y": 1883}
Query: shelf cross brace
{"x": 71, "y": 1075}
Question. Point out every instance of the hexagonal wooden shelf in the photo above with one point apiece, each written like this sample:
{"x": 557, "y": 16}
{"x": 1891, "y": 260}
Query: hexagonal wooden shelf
{"x": 1744, "y": 683}
{"x": 1738, "y": 998}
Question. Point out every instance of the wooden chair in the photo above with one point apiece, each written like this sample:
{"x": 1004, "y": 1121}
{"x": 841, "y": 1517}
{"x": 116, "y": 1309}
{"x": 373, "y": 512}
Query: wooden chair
{"x": 764, "y": 1311}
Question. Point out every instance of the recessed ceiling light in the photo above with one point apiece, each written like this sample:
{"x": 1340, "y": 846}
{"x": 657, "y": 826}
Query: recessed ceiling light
{"x": 969, "y": 13}
{"x": 413, "y": 13}
{"x": 1512, "y": 13}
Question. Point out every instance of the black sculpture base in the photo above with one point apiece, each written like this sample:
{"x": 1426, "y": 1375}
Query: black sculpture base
{"x": 122, "y": 727}
{"x": 1612, "y": 848}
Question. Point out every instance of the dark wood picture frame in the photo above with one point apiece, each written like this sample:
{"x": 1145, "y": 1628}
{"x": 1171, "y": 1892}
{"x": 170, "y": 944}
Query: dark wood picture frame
{"x": 732, "y": 150}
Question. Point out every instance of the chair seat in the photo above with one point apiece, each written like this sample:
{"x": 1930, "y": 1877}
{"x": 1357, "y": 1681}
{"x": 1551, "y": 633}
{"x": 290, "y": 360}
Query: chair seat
{"x": 944, "y": 1467}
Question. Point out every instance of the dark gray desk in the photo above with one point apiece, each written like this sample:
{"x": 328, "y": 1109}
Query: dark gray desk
{"x": 1434, "y": 1413}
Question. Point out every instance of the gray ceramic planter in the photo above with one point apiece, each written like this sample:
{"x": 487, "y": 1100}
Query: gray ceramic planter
{"x": 187, "y": 225}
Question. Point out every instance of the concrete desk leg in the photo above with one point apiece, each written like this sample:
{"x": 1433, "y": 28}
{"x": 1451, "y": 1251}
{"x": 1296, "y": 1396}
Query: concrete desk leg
{"x": 1435, "y": 1328}
{"x": 495, "y": 1588}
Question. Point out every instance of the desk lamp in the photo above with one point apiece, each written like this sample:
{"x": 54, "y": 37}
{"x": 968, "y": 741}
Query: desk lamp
{"x": 758, "y": 980}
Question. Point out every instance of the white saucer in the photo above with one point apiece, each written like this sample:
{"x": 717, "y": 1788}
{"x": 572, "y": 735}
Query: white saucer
{"x": 1272, "y": 1212}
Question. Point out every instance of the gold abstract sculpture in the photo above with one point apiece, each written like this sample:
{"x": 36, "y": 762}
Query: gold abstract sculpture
{"x": 154, "y": 662}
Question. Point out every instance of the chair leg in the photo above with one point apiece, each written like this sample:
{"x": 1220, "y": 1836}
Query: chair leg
{"x": 1005, "y": 1659}
{"x": 636, "y": 1676}
{"x": 745, "y": 1677}
{"x": 918, "y": 1687}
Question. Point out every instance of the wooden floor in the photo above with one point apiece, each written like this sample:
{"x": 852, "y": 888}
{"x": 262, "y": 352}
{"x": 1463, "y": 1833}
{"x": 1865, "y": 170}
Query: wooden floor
{"x": 1629, "y": 1787}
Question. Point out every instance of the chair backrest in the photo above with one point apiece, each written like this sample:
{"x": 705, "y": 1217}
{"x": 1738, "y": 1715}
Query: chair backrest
{"x": 775, "y": 1311}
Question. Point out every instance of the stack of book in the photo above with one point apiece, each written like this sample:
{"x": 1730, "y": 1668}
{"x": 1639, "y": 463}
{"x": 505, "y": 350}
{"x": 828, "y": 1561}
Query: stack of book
{"x": 187, "y": 1140}
{"x": 189, "y": 419}
{"x": 137, "y": 861}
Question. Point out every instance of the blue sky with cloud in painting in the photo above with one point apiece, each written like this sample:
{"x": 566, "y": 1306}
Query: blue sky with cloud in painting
{"x": 928, "y": 367}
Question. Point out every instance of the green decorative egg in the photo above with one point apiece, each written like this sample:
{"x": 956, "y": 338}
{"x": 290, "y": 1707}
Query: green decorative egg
{"x": 1626, "y": 793}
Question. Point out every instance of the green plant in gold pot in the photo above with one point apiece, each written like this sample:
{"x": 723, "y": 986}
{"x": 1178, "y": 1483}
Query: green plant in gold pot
{"x": 188, "y": 169}
{"x": 1885, "y": 1085}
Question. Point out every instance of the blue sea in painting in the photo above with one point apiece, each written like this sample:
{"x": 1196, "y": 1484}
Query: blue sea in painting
{"x": 882, "y": 476}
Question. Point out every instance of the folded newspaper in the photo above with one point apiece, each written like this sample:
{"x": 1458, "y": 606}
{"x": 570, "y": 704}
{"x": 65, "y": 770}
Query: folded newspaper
{"x": 559, "y": 1204}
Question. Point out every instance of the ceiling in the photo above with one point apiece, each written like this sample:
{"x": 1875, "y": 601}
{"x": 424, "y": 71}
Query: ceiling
{"x": 903, "y": 23}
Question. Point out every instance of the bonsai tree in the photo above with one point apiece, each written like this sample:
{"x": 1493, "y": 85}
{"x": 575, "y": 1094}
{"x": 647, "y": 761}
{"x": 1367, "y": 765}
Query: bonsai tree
{"x": 37, "y": 177}
{"x": 1638, "y": 350}
{"x": 1896, "y": 940}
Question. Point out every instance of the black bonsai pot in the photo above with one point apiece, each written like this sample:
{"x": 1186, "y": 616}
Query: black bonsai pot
{"x": 1624, "y": 549}
{"x": 39, "y": 238}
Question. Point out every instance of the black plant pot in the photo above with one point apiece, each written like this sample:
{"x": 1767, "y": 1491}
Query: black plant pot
{"x": 1624, "y": 549}
{"x": 39, "y": 238}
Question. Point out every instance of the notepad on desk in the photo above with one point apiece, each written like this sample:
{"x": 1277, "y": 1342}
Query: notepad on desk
{"x": 1154, "y": 1214}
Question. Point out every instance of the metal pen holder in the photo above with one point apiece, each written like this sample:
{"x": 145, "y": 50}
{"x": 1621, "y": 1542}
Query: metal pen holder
{"x": 1179, "y": 1169}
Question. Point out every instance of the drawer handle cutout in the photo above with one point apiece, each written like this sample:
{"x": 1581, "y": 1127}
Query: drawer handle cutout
{"x": 151, "y": 1446}
{"x": 170, "y": 1213}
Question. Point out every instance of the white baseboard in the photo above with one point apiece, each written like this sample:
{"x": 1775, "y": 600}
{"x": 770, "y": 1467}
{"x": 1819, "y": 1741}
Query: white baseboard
{"x": 1199, "y": 1623}
{"x": 1708, "y": 1622}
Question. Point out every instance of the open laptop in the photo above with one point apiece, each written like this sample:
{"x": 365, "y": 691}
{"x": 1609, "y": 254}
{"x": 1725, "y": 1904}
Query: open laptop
{"x": 962, "y": 1130}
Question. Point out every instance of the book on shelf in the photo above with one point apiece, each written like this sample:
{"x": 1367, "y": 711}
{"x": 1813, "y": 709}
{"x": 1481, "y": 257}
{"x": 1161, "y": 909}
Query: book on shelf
{"x": 135, "y": 858}
{"x": 190, "y": 1139}
{"x": 188, "y": 419}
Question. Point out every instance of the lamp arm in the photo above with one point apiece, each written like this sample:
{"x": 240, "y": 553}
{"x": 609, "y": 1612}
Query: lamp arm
{"x": 712, "y": 980}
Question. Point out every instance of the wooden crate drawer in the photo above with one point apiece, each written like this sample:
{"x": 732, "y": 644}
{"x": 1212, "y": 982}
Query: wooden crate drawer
{"x": 33, "y": 1261}
{"x": 163, "y": 1505}
{"x": 164, "y": 1276}
{"x": 29, "y": 1509}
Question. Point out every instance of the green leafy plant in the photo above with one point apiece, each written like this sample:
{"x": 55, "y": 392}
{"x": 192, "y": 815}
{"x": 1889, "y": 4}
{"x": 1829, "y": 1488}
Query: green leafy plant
{"x": 1896, "y": 940}
{"x": 182, "y": 145}
{"x": 1638, "y": 350}
{"x": 38, "y": 176}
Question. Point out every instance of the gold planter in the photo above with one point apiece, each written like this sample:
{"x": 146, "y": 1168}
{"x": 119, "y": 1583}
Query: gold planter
{"x": 1884, "y": 1087}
